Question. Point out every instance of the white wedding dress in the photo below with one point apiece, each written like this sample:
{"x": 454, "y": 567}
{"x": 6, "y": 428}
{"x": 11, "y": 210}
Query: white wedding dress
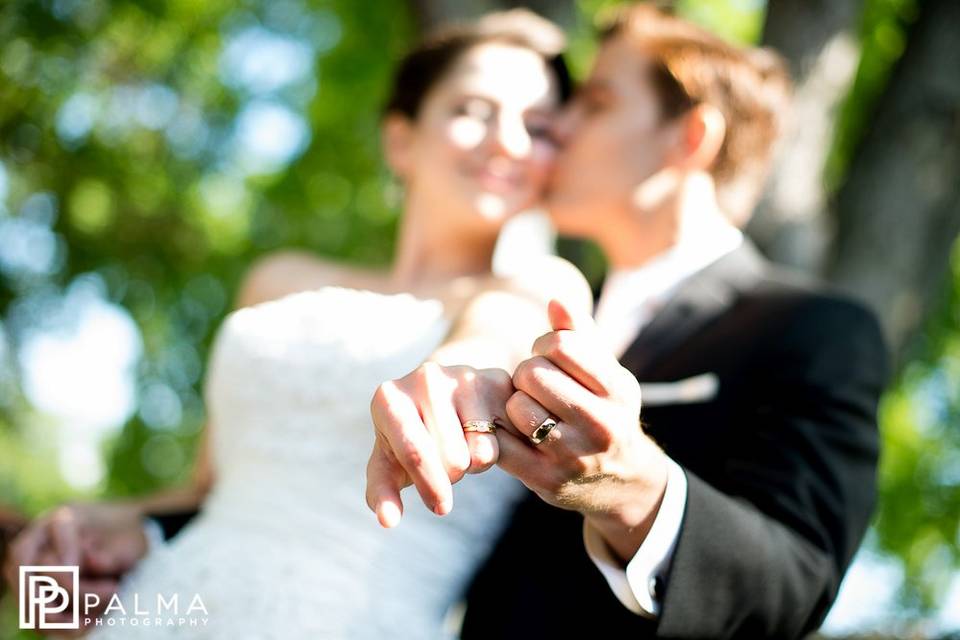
{"x": 285, "y": 546}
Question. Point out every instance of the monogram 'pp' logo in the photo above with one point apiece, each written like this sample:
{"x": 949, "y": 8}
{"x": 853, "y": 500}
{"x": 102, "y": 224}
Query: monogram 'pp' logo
{"x": 42, "y": 597}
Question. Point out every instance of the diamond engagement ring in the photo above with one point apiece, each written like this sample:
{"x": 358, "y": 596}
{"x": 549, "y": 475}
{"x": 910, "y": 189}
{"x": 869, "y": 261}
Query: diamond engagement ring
{"x": 479, "y": 426}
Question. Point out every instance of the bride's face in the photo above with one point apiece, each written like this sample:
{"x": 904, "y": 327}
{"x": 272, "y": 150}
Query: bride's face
{"x": 480, "y": 148}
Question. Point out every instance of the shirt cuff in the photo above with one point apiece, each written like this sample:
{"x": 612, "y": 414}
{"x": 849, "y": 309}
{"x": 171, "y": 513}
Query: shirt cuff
{"x": 638, "y": 587}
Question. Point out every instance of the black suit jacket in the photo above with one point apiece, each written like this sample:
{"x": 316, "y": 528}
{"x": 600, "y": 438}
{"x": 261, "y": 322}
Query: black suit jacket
{"x": 780, "y": 464}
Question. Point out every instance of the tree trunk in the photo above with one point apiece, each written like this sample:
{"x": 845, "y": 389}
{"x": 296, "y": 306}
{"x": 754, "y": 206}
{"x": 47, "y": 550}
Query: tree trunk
{"x": 818, "y": 41}
{"x": 431, "y": 13}
{"x": 898, "y": 213}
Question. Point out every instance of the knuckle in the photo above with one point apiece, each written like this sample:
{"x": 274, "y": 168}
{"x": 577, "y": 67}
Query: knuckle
{"x": 386, "y": 395}
{"x": 458, "y": 460}
{"x": 538, "y": 362}
{"x": 521, "y": 373}
{"x": 498, "y": 378}
{"x": 538, "y": 344}
{"x": 458, "y": 372}
{"x": 604, "y": 439}
{"x": 483, "y": 460}
{"x": 545, "y": 344}
{"x": 528, "y": 372}
{"x": 598, "y": 429}
{"x": 379, "y": 397}
{"x": 583, "y": 416}
{"x": 515, "y": 403}
{"x": 539, "y": 365}
{"x": 560, "y": 344}
{"x": 421, "y": 374}
{"x": 592, "y": 425}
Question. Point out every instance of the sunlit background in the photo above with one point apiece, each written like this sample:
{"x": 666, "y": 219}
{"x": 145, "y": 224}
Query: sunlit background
{"x": 150, "y": 151}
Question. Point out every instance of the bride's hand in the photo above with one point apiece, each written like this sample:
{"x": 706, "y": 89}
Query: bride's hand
{"x": 420, "y": 438}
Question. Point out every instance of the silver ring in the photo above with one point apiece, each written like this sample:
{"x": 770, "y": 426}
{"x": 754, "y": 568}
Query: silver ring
{"x": 540, "y": 433}
{"x": 479, "y": 426}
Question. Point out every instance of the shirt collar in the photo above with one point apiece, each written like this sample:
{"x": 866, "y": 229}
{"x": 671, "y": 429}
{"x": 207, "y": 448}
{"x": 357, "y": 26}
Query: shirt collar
{"x": 659, "y": 277}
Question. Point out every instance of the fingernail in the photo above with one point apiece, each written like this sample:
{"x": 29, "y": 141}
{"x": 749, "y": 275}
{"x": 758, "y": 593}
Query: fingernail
{"x": 389, "y": 515}
{"x": 443, "y": 507}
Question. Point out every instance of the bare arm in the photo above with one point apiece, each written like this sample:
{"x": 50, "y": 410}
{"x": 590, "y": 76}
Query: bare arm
{"x": 419, "y": 419}
{"x": 498, "y": 326}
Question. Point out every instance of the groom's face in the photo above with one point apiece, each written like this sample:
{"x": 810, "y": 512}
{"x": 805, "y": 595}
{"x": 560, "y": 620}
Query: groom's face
{"x": 613, "y": 143}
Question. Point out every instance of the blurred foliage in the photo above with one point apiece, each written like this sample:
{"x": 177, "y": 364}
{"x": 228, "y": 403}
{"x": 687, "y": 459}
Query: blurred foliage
{"x": 737, "y": 20}
{"x": 155, "y": 149}
{"x": 918, "y": 517}
{"x": 918, "y": 520}
{"x": 151, "y": 150}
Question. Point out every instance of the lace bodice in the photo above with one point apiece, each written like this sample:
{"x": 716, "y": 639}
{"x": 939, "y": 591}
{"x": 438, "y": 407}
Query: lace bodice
{"x": 285, "y": 545}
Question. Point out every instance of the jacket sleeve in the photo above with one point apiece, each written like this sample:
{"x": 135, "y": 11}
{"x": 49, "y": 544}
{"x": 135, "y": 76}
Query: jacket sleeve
{"x": 762, "y": 550}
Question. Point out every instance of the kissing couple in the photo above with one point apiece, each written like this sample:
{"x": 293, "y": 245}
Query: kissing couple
{"x": 689, "y": 452}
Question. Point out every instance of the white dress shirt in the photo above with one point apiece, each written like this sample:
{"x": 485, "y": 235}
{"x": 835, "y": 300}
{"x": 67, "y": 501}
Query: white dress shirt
{"x": 628, "y": 302}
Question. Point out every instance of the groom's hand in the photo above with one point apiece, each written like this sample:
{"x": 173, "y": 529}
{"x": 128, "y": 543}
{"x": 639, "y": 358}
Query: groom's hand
{"x": 597, "y": 460}
{"x": 420, "y": 438}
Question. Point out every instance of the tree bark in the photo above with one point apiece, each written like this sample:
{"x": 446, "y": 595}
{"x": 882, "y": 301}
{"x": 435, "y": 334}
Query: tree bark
{"x": 898, "y": 212}
{"x": 431, "y": 13}
{"x": 818, "y": 40}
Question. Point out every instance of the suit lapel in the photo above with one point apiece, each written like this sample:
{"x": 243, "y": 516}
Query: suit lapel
{"x": 700, "y": 299}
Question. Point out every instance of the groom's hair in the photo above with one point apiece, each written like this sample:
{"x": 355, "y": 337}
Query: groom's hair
{"x": 750, "y": 86}
{"x": 428, "y": 63}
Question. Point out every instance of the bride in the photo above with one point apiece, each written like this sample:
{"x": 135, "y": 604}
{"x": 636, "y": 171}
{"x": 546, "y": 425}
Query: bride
{"x": 284, "y": 544}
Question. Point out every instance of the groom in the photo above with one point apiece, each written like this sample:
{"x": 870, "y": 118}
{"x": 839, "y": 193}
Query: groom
{"x": 736, "y": 507}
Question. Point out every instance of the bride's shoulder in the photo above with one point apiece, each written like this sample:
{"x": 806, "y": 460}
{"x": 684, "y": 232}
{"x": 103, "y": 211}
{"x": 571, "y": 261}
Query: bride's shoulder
{"x": 547, "y": 277}
{"x": 286, "y": 272}
{"x": 524, "y": 290}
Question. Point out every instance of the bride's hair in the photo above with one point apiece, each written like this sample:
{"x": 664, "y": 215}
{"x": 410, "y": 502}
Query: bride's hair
{"x": 423, "y": 67}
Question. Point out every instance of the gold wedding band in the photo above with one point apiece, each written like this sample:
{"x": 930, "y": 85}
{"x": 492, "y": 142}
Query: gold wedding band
{"x": 479, "y": 426}
{"x": 540, "y": 433}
